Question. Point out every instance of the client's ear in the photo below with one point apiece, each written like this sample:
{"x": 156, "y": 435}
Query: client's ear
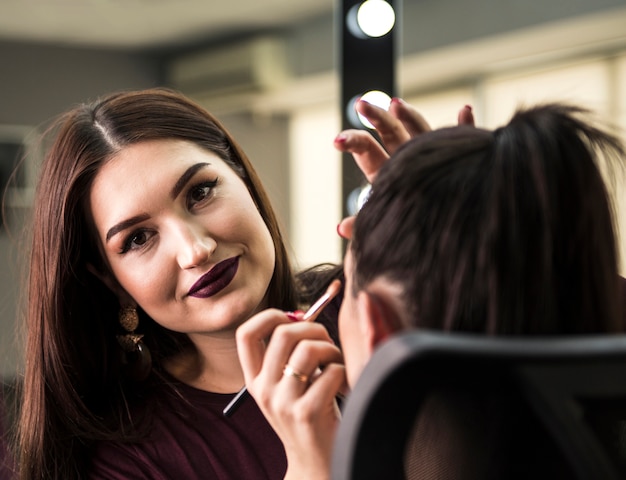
{"x": 378, "y": 318}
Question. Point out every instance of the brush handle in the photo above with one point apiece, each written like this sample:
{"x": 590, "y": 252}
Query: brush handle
{"x": 235, "y": 402}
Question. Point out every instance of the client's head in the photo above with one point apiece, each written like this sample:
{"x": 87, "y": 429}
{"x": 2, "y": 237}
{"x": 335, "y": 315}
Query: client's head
{"x": 499, "y": 232}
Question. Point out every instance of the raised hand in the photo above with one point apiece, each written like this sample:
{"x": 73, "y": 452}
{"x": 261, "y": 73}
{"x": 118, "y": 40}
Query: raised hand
{"x": 395, "y": 127}
{"x": 283, "y": 375}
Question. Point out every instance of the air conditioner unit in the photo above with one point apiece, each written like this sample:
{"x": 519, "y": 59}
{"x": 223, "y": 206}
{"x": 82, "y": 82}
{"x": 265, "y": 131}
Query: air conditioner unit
{"x": 253, "y": 66}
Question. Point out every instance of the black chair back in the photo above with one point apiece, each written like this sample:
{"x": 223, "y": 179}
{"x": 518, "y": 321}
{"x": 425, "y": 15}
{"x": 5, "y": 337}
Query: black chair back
{"x": 526, "y": 407}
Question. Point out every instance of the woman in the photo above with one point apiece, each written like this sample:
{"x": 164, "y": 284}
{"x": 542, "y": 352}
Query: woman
{"x": 505, "y": 232}
{"x": 153, "y": 240}
{"x": 148, "y": 211}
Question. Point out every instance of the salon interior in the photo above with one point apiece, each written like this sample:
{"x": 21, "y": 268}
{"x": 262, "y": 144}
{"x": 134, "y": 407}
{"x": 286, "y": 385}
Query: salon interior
{"x": 280, "y": 74}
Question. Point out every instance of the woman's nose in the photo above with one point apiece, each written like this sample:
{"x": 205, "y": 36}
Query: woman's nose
{"x": 195, "y": 247}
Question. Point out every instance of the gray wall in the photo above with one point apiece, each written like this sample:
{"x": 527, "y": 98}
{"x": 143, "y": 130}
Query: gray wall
{"x": 264, "y": 140}
{"x": 39, "y": 81}
{"x": 429, "y": 24}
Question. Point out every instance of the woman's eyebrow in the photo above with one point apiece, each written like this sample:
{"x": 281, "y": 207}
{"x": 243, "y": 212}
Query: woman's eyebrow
{"x": 176, "y": 189}
{"x": 118, "y": 227}
{"x": 184, "y": 178}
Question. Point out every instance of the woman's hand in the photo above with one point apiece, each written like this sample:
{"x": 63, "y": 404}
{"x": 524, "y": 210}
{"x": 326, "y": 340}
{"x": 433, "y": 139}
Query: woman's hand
{"x": 395, "y": 127}
{"x": 294, "y": 377}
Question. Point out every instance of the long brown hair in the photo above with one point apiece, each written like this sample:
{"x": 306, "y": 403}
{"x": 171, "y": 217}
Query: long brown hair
{"x": 503, "y": 232}
{"x": 72, "y": 376}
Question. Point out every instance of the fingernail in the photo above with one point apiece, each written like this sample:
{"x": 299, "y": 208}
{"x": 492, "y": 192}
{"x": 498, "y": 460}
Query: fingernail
{"x": 295, "y": 316}
{"x": 469, "y": 107}
{"x": 341, "y": 233}
{"x": 341, "y": 138}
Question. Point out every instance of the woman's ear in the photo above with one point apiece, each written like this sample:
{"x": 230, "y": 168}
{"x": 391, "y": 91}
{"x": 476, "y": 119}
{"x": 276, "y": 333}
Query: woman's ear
{"x": 112, "y": 284}
{"x": 377, "y": 317}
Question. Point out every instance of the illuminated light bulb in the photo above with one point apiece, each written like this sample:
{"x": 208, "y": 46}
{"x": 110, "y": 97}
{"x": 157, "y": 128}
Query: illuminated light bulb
{"x": 372, "y": 18}
{"x": 375, "y": 97}
{"x": 357, "y": 198}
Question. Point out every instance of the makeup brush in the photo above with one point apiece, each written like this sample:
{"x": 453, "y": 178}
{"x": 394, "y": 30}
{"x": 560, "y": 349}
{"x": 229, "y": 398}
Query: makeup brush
{"x": 310, "y": 316}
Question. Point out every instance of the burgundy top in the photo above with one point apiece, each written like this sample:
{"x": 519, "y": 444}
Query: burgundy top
{"x": 190, "y": 438}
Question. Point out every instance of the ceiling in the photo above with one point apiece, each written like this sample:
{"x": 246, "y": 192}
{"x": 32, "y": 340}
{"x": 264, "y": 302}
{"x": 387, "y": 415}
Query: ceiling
{"x": 145, "y": 24}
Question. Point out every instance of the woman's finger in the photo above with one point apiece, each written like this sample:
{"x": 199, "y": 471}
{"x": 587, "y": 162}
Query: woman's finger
{"x": 288, "y": 338}
{"x": 391, "y": 130}
{"x": 302, "y": 367}
{"x": 344, "y": 229}
{"x": 367, "y": 152}
{"x": 309, "y": 355}
{"x": 412, "y": 121}
{"x": 466, "y": 116}
{"x": 331, "y": 381}
{"x": 252, "y": 337}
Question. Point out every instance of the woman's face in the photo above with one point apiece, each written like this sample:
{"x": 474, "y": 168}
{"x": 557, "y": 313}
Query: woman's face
{"x": 182, "y": 236}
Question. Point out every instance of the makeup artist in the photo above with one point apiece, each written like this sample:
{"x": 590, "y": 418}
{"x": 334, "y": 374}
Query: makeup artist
{"x": 445, "y": 242}
{"x": 152, "y": 241}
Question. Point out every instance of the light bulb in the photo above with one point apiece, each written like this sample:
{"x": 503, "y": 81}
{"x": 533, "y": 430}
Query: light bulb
{"x": 375, "y": 97}
{"x": 375, "y": 18}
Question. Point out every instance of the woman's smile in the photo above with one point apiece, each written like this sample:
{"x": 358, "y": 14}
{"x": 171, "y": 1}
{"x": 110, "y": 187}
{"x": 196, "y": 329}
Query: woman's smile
{"x": 216, "y": 279}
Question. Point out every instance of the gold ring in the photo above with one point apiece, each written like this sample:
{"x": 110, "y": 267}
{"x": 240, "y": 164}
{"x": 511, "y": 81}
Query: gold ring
{"x": 290, "y": 372}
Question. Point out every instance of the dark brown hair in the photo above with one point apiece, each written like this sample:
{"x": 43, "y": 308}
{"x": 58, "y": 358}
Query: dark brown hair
{"x": 504, "y": 232}
{"x": 72, "y": 377}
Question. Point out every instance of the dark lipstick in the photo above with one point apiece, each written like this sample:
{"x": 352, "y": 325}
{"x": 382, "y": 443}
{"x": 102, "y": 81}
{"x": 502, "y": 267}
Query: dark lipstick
{"x": 215, "y": 279}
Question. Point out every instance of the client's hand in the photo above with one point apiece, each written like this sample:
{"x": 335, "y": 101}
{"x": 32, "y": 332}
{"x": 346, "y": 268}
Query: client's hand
{"x": 294, "y": 377}
{"x": 395, "y": 127}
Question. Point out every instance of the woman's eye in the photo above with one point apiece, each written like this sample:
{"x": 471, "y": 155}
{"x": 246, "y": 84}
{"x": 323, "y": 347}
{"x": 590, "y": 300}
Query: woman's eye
{"x": 200, "y": 192}
{"x": 135, "y": 240}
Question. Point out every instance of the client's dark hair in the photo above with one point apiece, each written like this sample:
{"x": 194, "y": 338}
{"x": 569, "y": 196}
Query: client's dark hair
{"x": 506, "y": 232}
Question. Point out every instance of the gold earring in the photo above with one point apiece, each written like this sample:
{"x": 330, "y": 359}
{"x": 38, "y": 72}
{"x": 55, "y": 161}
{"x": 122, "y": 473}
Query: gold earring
{"x": 129, "y": 320}
{"x": 137, "y": 359}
